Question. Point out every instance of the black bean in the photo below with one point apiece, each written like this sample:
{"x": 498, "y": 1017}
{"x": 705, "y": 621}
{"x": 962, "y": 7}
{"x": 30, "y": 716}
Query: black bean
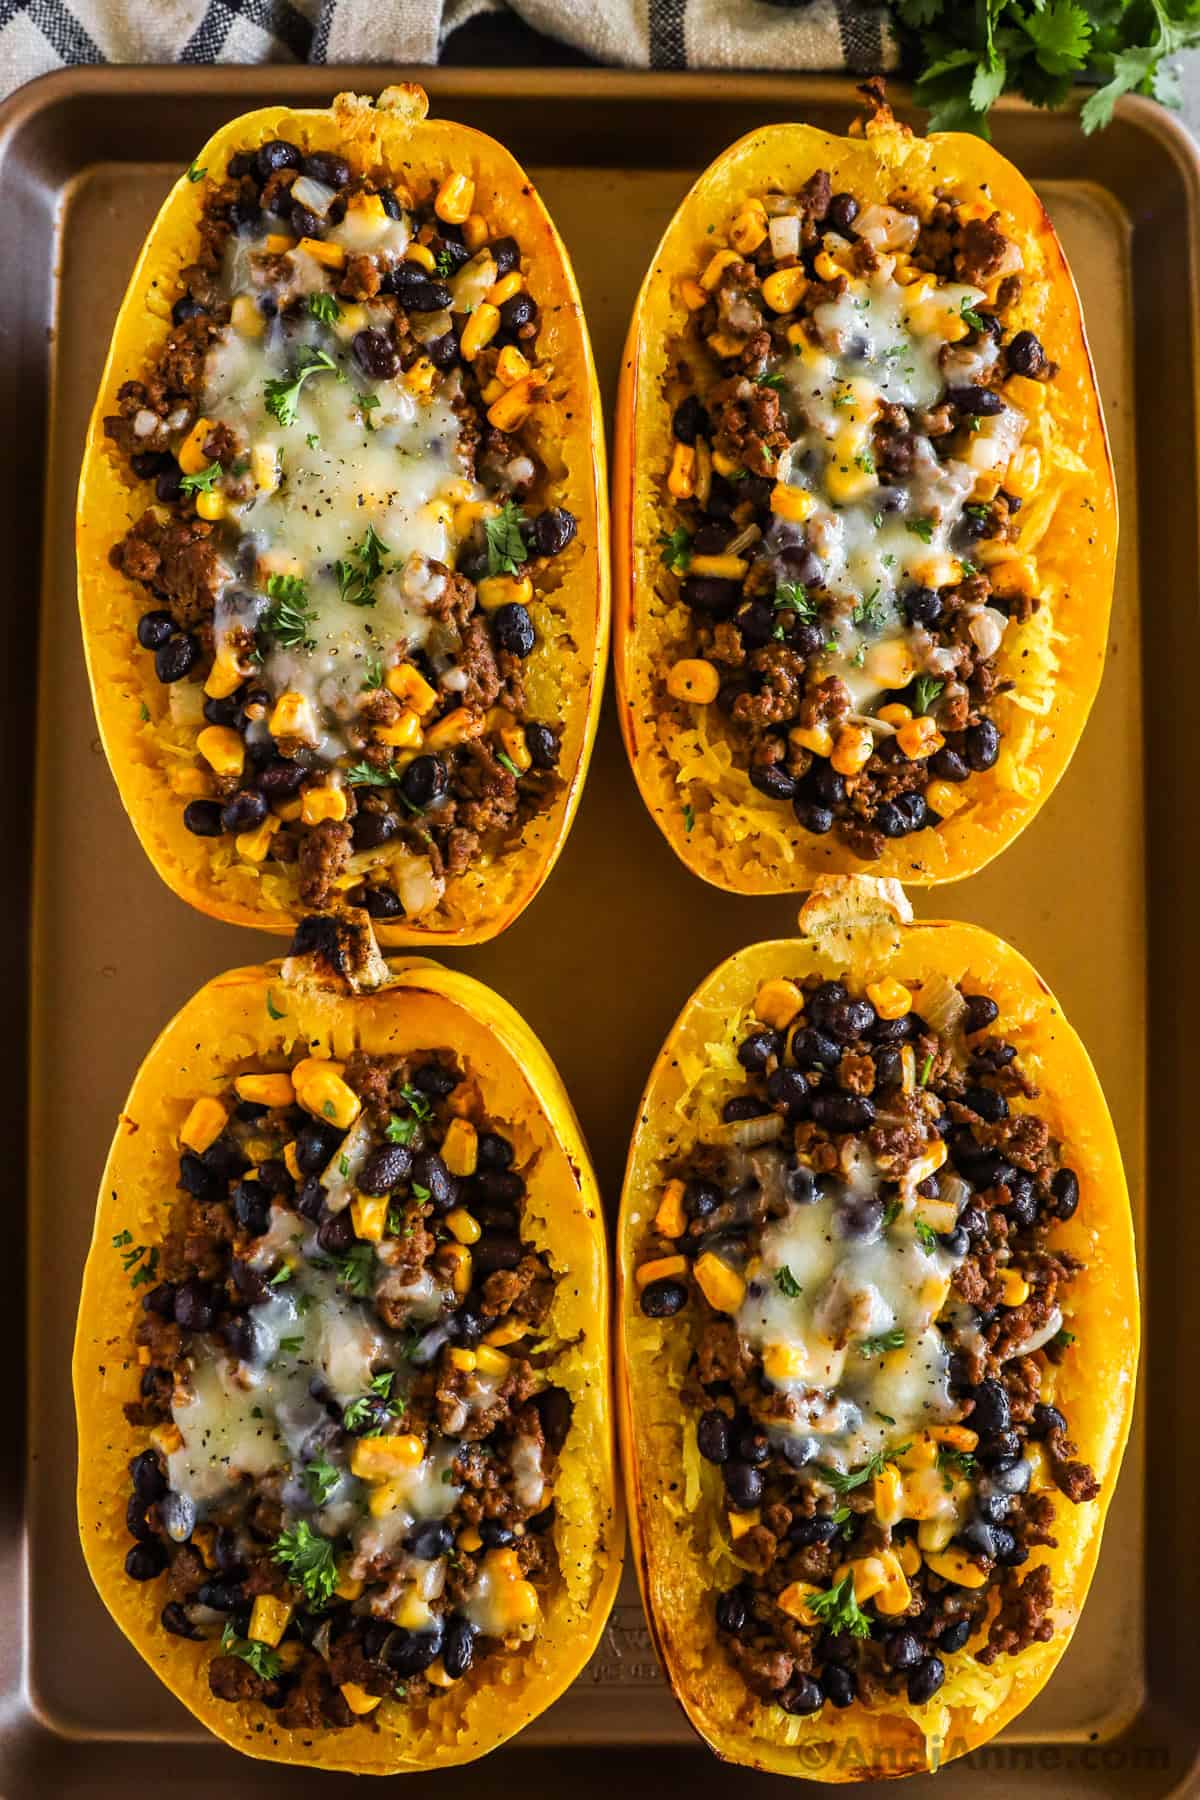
{"x": 224, "y": 1158}
{"x": 176, "y": 658}
{"x": 252, "y": 1207}
{"x": 275, "y": 1176}
{"x": 195, "y": 1305}
{"x": 552, "y": 531}
{"x": 756, "y": 622}
{"x": 430, "y": 1172}
{"x": 712, "y": 1436}
{"x": 987, "y": 1103}
{"x": 976, "y": 402}
{"x": 732, "y": 1610}
{"x": 322, "y": 165}
{"x": 493, "y": 1151}
{"x": 414, "y": 289}
{"x": 743, "y": 1484}
{"x": 982, "y": 745}
{"x": 701, "y": 1198}
{"x": 955, "y": 1636}
{"x": 803, "y": 1697}
{"x": 443, "y": 351}
{"x": 889, "y": 1067}
{"x": 167, "y": 482}
{"x": 542, "y": 1521}
{"x": 542, "y": 746}
{"x": 412, "y": 1652}
{"x": 742, "y": 1106}
{"x": 149, "y": 1481}
{"x": 315, "y": 1144}
{"x": 801, "y": 1184}
{"x": 154, "y": 629}
{"x": 711, "y": 597}
{"x": 842, "y": 1112}
{"x": 997, "y": 1446}
{"x": 135, "y": 1520}
{"x": 518, "y": 311}
{"x": 280, "y": 779}
{"x": 923, "y": 606}
{"x": 494, "y": 1534}
{"x": 663, "y": 1299}
{"x": 897, "y": 818}
{"x": 925, "y": 1680}
{"x": 174, "y": 1620}
{"x": 385, "y": 1169}
{"x": 690, "y": 420}
{"x": 430, "y": 1539}
{"x": 843, "y": 210}
{"x": 243, "y": 811}
{"x": 554, "y": 1409}
{"x": 383, "y": 902}
{"x": 506, "y": 254}
{"x": 753, "y": 1446}
{"x": 144, "y": 1562}
{"x": 813, "y": 1049}
{"x": 495, "y": 1250}
{"x": 817, "y": 1528}
{"x": 849, "y": 1020}
{"x": 1025, "y": 355}
{"x": 948, "y": 765}
{"x": 436, "y": 1080}
{"x": 992, "y": 1411}
{"x": 458, "y": 1647}
{"x": 277, "y": 154}
{"x": 375, "y": 354}
{"x": 1009, "y": 1552}
{"x": 145, "y": 465}
{"x": 304, "y": 222}
{"x": 978, "y": 1537}
{"x": 773, "y": 780}
{"x": 245, "y": 215}
{"x": 1046, "y": 1419}
{"x": 788, "y": 1088}
{"x": 197, "y": 1179}
{"x": 335, "y": 1234}
{"x": 840, "y": 1685}
{"x": 424, "y": 781}
{"x": 371, "y": 829}
{"x": 1010, "y": 1476}
{"x": 1065, "y": 1188}
{"x": 982, "y": 1011}
{"x": 903, "y": 1650}
{"x": 817, "y": 819}
{"x": 756, "y": 1051}
{"x": 512, "y": 629}
{"x": 429, "y": 1345}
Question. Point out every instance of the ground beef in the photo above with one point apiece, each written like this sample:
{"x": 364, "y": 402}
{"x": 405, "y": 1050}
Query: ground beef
{"x": 487, "y": 791}
{"x": 325, "y": 851}
{"x": 477, "y": 658}
{"x": 779, "y": 698}
{"x": 178, "y": 561}
{"x": 1022, "y": 1619}
{"x": 982, "y": 248}
{"x": 232, "y": 1679}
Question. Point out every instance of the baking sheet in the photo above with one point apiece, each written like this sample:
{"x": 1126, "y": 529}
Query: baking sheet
{"x": 602, "y": 960}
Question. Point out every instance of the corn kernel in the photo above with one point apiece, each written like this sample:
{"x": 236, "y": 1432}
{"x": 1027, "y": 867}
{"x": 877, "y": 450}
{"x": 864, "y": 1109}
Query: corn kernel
{"x": 278, "y": 243}
{"x": 211, "y": 506}
{"x": 407, "y": 683}
{"x": 722, "y": 1287}
{"x": 411, "y": 1612}
{"x": 422, "y": 255}
{"x": 460, "y": 1149}
{"x": 506, "y": 287}
{"x": 504, "y": 590}
{"x": 245, "y": 317}
{"x": 953, "y": 1565}
{"x": 368, "y": 1214}
{"x": 490, "y": 1361}
{"x": 191, "y": 457}
{"x": 725, "y": 465}
{"x": 1029, "y": 396}
{"x": 405, "y": 734}
{"x": 292, "y": 716}
{"x": 681, "y": 479}
{"x": 944, "y": 798}
{"x": 291, "y": 1162}
{"x": 203, "y": 1125}
{"x": 669, "y": 1220}
{"x": 1014, "y": 1289}
{"x": 509, "y": 1331}
{"x": 167, "y": 1439}
{"x": 894, "y": 713}
{"x": 475, "y": 232}
{"x": 694, "y": 680}
{"x": 266, "y": 1090}
{"x": 719, "y": 568}
{"x": 794, "y": 1599}
{"x": 1014, "y": 575}
{"x": 325, "y": 802}
{"x": 716, "y": 267}
{"x": 867, "y": 1573}
{"x": 935, "y": 1534}
{"x": 269, "y": 1619}
{"x": 853, "y": 749}
{"x": 908, "y": 1556}
{"x": 455, "y": 728}
{"x": 784, "y": 289}
{"x": 377, "y": 1458}
{"x": 321, "y": 1091}
{"x": 353, "y": 320}
{"x": 516, "y": 749}
{"x": 661, "y": 1268}
{"x": 778, "y": 1002}
{"x": 330, "y": 256}
{"x": 817, "y": 738}
{"x": 791, "y": 503}
{"x": 887, "y": 1495}
{"x": 358, "y": 1699}
{"x": 511, "y": 366}
{"x": 222, "y": 749}
{"x": 420, "y": 377}
{"x": 692, "y": 294}
{"x": 919, "y": 738}
{"x": 460, "y": 1259}
{"x": 895, "y": 1594}
{"x": 454, "y": 199}
{"x": 890, "y": 998}
{"x": 1024, "y": 473}
{"x": 514, "y": 405}
{"x": 264, "y": 467}
{"x": 954, "y": 1437}
{"x": 225, "y": 677}
{"x": 252, "y": 846}
{"x": 891, "y": 664}
{"x": 742, "y": 1522}
{"x": 479, "y": 330}
{"x": 784, "y": 1362}
{"x": 937, "y": 571}
{"x": 749, "y": 228}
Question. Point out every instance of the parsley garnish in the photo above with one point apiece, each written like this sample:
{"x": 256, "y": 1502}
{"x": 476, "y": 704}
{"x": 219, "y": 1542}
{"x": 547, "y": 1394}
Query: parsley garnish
{"x": 365, "y": 775}
{"x": 689, "y": 819}
{"x": 144, "y": 710}
{"x": 926, "y": 689}
{"x": 262, "y": 1659}
{"x": 289, "y": 615}
{"x": 865, "y": 461}
{"x": 401, "y": 1131}
{"x": 201, "y": 482}
{"x": 786, "y": 1282}
{"x": 320, "y": 1478}
{"x": 443, "y": 263}
{"x": 356, "y": 583}
{"x": 312, "y": 439}
{"x": 921, "y": 528}
{"x": 273, "y": 1011}
{"x": 506, "y": 762}
{"x": 418, "y": 1103}
{"x": 792, "y": 596}
{"x": 309, "y": 1560}
{"x": 969, "y": 316}
{"x": 325, "y": 308}
{"x": 281, "y": 397}
{"x": 838, "y": 1610}
{"x": 675, "y": 549}
{"x": 879, "y": 1346}
{"x": 506, "y": 548}
{"x": 926, "y": 1066}
{"x": 282, "y": 1274}
{"x": 870, "y": 612}
{"x": 926, "y": 1235}
{"x": 770, "y": 381}
{"x": 891, "y": 1213}
{"x": 368, "y": 402}
{"x": 419, "y": 1193}
{"x": 195, "y": 172}
{"x": 356, "y": 1270}
{"x": 955, "y": 1462}
{"x": 382, "y": 1384}
{"x": 139, "y": 1261}
{"x": 845, "y": 1482}
{"x": 380, "y": 1401}
{"x": 374, "y": 675}
{"x": 290, "y": 1344}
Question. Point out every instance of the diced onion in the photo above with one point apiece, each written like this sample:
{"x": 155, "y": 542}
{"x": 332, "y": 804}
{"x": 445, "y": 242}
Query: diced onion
{"x": 186, "y": 704}
{"x": 941, "y": 1004}
{"x": 314, "y": 194}
{"x": 954, "y": 1190}
{"x": 1050, "y": 1329}
{"x": 987, "y": 629}
{"x": 785, "y": 236}
{"x": 886, "y": 228}
{"x": 144, "y": 422}
{"x": 473, "y": 280}
{"x": 750, "y": 535}
{"x": 748, "y": 1133}
{"x": 341, "y": 1170}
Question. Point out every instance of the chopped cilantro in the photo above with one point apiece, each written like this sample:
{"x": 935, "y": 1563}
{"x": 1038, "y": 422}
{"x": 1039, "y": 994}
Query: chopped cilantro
{"x": 374, "y": 675}
{"x": 926, "y": 1236}
{"x": 865, "y": 461}
{"x": 838, "y": 1610}
{"x": 675, "y": 549}
{"x": 871, "y": 611}
{"x": 139, "y": 1261}
{"x": 786, "y": 1282}
{"x": 366, "y": 775}
{"x": 418, "y": 1103}
{"x": 689, "y": 819}
{"x": 926, "y": 1066}
{"x": 356, "y": 1270}
{"x": 879, "y": 1346}
{"x": 201, "y": 482}
{"x": 287, "y": 619}
{"x": 419, "y": 1193}
{"x": 356, "y": 578}
{"x": 844, "y": 1482}
{"x": 955, "y": 1462}
{"x": 1062, "y": 1340}
{"x": 891, "y": 1213}
{"x": 290, "y": 1344}
{"x": 792, "y": 596}
{"x": 921, "y": 528}
{"x": 144, "y": 710}
{"x": 261, "y": 1658}
{"x": 195, "y": 172}
{"x": 325, "y": 308}
{"x": 775, "y": 380}
{"x": 320, "y": 1477}
{"x": 506, "y": 547}
{"x": 401, "y": 1131}
{"x": 926, "y": 689}
{"x": 344, "y": 1165}
{"x": 444, "y": 264}
{"x": 309, "y": 1560}
{"x": 281, "y": 397}
{"x": 282, "y": 1274}
{"x": 506, "y": 762}
{"x": 312, "y": 439}
{"x": 273, "y": 1011}
{"x": 969, "y": 316}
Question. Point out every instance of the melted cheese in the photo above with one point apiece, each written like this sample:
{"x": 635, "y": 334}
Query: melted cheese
{"x": 856, "y": 1282}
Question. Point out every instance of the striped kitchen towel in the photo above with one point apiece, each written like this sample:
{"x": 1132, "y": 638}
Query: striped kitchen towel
{"x": 38, "y": 35}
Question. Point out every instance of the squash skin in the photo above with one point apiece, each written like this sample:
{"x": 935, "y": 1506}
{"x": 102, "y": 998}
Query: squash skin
{"x": 1094, "y": 1382}
{"x": 423, "y": 1005}
{"x": 1076, "y": 557}
{"x": 567, "y": 429}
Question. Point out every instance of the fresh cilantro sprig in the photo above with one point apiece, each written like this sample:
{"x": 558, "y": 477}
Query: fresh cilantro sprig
{"x": 324, "y": 308}
{"x": 281, "y": 397}
{"x": 320, "y": 1477}
{"x": 139, "y": 1261}
{"x": 356, "y": 1270}
{"x": 844, "y": 1481}
{"x": 506, "y": 546}
{"x": 786, "y": 1282}
{"x": 838, "y": 1610}
{"x": 675, "y": 549}
{"x": 310, "y": 1562}
{"x": 201, "y": 481}
{"x": 870, "y": 1347}
{"x": 287, "y": 619}
{"x": 261, "y": 1658}
{"x": 358, "y": 573}
{"x": 926, "y": 689}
